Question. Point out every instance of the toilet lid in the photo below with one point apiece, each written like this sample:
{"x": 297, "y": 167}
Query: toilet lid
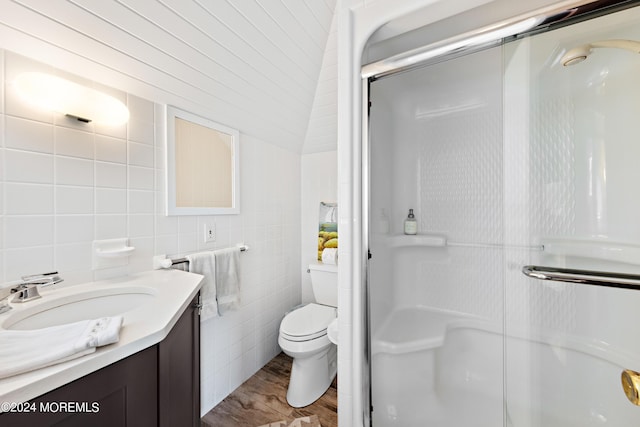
{"x": 307, "y": 322}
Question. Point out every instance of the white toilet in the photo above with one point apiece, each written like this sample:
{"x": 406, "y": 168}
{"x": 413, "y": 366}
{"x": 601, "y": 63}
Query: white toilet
{"x": 303, "y": 336}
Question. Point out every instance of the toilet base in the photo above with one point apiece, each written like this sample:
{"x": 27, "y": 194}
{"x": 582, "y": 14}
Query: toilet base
{"x": 311, "y": 377}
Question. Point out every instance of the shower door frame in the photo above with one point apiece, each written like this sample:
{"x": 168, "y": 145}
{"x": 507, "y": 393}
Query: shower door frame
{"x": 499, "y": 33}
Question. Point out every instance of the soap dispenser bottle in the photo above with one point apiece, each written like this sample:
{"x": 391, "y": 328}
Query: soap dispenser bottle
{"x": 410, "y": 224}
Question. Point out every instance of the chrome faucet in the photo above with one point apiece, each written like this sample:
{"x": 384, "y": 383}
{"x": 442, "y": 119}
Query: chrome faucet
{"x": 28, "y": 289}
{"x": 44, "y": 279}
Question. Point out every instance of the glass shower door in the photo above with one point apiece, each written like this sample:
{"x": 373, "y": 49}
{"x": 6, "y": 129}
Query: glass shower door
{"x": 436, "y": 298}
{"x": 513, "y": 163}
{"x": 572, "y": 212}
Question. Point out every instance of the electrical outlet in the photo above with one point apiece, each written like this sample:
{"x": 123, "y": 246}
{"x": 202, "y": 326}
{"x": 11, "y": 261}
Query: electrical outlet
{"x": 209, "y": 233}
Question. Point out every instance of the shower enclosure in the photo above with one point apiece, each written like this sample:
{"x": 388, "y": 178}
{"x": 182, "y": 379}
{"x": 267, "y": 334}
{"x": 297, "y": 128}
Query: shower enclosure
{"x": 519, "y": 170}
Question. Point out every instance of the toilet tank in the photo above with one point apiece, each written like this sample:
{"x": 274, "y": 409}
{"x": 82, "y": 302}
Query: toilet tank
{"x": 324, "y": 282}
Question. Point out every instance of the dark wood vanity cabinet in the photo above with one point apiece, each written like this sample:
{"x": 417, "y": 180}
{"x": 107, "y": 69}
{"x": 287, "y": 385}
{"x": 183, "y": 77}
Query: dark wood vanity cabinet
{"x": 125, "y": 394}
{"x": 158, "y": 386}
{"x": 179, "y": 372}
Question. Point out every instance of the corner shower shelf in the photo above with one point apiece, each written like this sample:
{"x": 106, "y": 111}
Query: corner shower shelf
{"x": 417, "y": 240}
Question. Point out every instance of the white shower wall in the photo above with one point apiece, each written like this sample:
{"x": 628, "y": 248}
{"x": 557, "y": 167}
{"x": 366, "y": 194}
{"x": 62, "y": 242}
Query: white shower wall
{"x": 516, "y": 160}
{"x": 570, "y": 131}
{"x": 357, "y": 23}
{"x": 504, "y": 151}
{"x": 63, "y": 185}
{"x": 437, "y": 148}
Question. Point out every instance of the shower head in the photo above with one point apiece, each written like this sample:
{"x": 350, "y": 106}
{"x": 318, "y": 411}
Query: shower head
{"x": 576, "y": 55}
{"x": 580, "y": 53}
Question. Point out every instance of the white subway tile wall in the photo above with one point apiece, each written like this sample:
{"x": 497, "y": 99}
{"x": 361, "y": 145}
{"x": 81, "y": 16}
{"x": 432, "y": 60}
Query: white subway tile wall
{"x": 64, "y": 184}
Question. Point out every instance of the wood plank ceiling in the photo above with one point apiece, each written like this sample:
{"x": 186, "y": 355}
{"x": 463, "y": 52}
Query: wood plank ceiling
{"x": 265, "y": 67}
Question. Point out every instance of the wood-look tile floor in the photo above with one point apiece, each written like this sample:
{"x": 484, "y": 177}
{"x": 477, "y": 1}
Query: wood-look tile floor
{"x": 262, "y": 399}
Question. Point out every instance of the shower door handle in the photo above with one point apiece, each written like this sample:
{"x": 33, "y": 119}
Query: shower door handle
{"x": 583, "y": 277}
{"x": 631, "y": 385}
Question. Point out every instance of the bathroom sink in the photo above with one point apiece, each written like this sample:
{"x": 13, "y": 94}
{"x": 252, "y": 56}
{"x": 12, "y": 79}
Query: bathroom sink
{"x": 151, "y": 303}
{"x": 73, "y": 307}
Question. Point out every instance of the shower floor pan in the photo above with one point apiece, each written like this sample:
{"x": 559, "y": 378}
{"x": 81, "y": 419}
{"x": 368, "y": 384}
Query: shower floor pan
{"x": 442, "y": 369}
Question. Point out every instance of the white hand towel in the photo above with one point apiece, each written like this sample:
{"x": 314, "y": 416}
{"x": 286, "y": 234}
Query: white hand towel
{"x": 23, "y": 351}
{"x": 205, "y": 263}
{"x": 228, "y": 279}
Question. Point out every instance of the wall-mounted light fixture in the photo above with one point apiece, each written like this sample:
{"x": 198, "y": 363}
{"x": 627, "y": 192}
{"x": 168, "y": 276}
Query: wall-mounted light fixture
{"x": 71, "y": 99}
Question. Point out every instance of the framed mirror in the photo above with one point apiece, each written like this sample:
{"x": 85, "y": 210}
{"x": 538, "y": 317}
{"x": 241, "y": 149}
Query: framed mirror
{"x": 203, "y": 165}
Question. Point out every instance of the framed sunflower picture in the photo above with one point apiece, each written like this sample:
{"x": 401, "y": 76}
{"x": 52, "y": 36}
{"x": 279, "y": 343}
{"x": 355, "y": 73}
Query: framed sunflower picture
{"x": 328, "y": 227}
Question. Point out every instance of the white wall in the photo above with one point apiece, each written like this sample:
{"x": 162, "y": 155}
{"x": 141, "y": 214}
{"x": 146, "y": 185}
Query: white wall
{"x": 319, "y": 181}
{"x": 64, "y": 184}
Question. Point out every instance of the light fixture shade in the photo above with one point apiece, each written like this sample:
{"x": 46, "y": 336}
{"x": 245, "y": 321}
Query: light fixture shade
{"x": 63, "y": 96}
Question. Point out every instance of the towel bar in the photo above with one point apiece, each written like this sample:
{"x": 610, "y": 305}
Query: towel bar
{"x": 174, "y": 261}
{"x": 584, "y": 277}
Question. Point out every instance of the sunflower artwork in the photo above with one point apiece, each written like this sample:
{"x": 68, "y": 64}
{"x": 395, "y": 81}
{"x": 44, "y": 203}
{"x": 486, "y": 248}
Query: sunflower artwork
{"x": 328, "y": 227}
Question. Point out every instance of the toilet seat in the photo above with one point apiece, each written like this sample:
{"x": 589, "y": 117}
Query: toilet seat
{"x": 307, "y": 323}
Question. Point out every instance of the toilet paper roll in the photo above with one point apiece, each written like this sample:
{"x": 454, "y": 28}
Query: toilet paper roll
{"x": 330, "y": 256}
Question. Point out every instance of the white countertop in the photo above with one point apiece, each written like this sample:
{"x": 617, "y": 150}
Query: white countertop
{"x": 143, "y": 327}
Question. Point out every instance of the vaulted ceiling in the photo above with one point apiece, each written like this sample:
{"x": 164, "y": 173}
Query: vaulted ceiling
{"x": 265, "y": 67}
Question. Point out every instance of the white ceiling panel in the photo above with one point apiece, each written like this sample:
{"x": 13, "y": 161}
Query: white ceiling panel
{"x": 258, "y": 65}
{"x": 322, "y": 131}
